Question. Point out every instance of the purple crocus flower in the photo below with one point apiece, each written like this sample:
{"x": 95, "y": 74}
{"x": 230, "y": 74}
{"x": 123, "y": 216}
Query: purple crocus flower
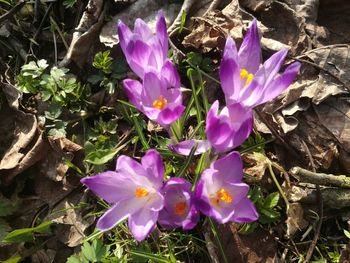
{"x": 242, "y": 77}
{"x": 179, "y": 209}
{"x": 159, "y": 97}
{"x": 221, "y": 194}
{"x": 143, "y": 49}
{"x": 225, "y": 130}
{"x": 133, "y": 189}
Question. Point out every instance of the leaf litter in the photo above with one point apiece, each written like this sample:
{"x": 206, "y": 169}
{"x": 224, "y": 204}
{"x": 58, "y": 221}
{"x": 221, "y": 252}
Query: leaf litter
{"x": 314, "y": 111}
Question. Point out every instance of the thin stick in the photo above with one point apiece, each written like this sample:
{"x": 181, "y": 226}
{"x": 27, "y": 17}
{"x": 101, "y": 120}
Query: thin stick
{"x": 320, "y": 201}
{"x": 306, "y": 176}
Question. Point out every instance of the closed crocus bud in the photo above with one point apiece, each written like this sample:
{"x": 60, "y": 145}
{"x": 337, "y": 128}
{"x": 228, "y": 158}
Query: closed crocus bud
{"x": 159, "y": 97}
{"x": 143, "y": 49}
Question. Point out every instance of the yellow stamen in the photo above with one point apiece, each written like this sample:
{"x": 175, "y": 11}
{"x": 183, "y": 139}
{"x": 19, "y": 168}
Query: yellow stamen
{"x": 141, "y": 192}
{"x": 180, "y": 208}
{"x": 244, "y": 74}
{"x": 160, "y": 103}
{"x": 223, "y": 195}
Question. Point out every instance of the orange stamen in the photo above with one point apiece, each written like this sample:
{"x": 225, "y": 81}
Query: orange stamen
{"x": 160, "y": 103}
{"x": 180, "y": 208}
{"x": 141, "y": 192}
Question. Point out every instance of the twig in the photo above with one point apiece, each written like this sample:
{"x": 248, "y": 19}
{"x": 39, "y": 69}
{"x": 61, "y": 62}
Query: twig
{"x": 320, "y": 201}
{"x": 320, "y": 178}
{"x": 212, "y": 6}
{"x": 186, "y": 6}
{"x": 276, "y": 135}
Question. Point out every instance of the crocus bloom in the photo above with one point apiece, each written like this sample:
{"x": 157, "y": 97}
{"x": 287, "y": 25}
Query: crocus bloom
{"x": 179, "y": 209}
{"x": 225, "y": 130}
{"x": 143, "y": 49}
{"x": 159, "y": 97}
{"x": 133, "y": 190}
{"x": 221, "y": 194}
{"x": 242, "y": 77}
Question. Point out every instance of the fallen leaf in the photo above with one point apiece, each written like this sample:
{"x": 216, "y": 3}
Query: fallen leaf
{"x": 23, "y": 140}
{"x": 295, "y": 219}
{"x": 85, "y": 34}
{"x": 247, "y": 248}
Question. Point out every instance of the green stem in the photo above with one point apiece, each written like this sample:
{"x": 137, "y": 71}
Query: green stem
{"x": 278, "y": 185}
{"x": 218, "y": 240}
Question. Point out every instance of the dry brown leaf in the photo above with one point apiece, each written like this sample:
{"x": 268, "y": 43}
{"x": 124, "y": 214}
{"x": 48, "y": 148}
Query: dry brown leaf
{"x": 295, "y": 219}
{"x": 23, "y": 141}
{"x": 54, "y": 167}
{"x": 247, "y": 248}
{"x": 210, "y": 32}
{"x": 258, "y": 163}
{"x": 85, "y": 34}
{"x": 71, "y": 223}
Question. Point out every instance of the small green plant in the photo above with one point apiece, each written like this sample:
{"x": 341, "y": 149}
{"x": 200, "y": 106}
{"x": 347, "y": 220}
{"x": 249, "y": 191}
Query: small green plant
{"x": 110, "y": 72}
{"x": 266, "y": 207}
{"x": 59, "y": 89}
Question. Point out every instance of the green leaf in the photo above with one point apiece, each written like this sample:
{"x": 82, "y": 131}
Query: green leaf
{"x": 270, "y": 213}
{"x": 346, "y": 233}
{"x": 73, "y": 259}
{"x": 183, "y": 21}
{"x": 26, "y": 234}
{"x": 271, "y": 200}
{"x": 101, "y": 156}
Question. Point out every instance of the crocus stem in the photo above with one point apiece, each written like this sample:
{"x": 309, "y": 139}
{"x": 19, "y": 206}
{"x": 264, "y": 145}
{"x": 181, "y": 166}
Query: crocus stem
{"x": 218, "y": 240}
{"x": 188, "y": 161}
{"x": 278, "y": 185}
{"x": 199, "y": 170}
{"x": 196, "y": 102}
{"x": 201, "y": 87}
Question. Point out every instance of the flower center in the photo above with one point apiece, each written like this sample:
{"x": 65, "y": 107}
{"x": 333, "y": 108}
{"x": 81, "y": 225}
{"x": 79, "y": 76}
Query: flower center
{"x": 160, "y": 103}
{"x": 141, "y": 192}
{"x": 223, "y": 195}
{"x": 244, "y": 74}
{"x": 180, "y": 208}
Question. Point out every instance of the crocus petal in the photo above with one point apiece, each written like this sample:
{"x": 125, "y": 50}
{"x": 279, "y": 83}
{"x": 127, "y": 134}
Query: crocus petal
{"x": 230, "y": 50}
{"x": 153, "y": 164}
{"x": 245, "y": 212}
{"x": 170, "y": 73}
{"x": 168, "y": 116}
{"x": 243, "y": 132}
{"x": 142, "y": 29}
{"x": 185, "y": 147}
{"x": 133, "y": 170}
{"x": 281, "y": 83}
{"x": 142, "y": 223}
{"x": 137, "y": 54}
{"x": 251, "y": 94}
{"x": 273, "y": 65}
{"x": 249, "y": 52}
{"x": 230, "y": 79}
{"x": 219, "y": 135}
{"x": 124, "y": 34}
{"x": 230, "y": 167}
{"x": 152, "y": 89}
{"x": 161, "y": 32}
{"x": 133, "y": 90}
{"x": 110, "y": 186}
{"x": 118, "y": 213}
